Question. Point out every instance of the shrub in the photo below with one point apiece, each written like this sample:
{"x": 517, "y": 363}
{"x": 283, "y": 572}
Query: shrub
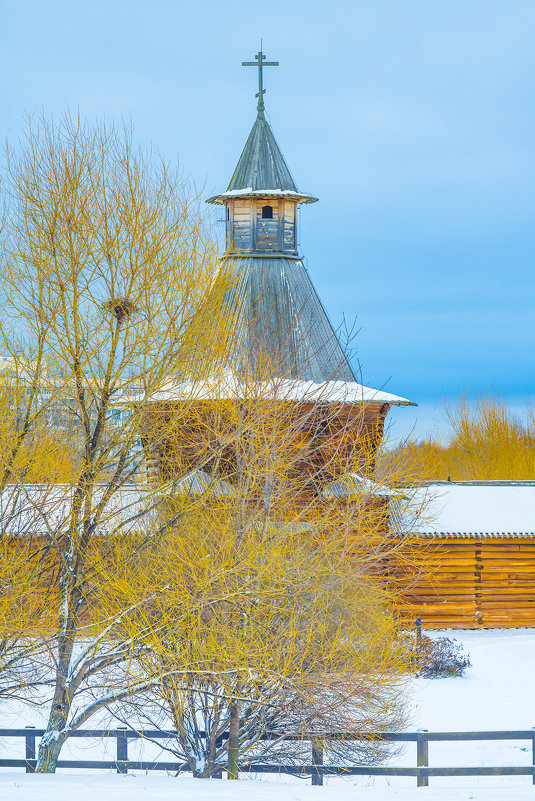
{"x": 441, "y": 658}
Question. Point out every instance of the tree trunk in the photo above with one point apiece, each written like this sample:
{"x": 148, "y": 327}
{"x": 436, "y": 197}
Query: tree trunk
{"x": 50, "y": 746}
{"x": 56, "y": 729}
{"x": 234, "y": 740}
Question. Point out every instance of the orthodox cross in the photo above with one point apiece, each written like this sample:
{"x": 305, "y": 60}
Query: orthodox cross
{"x": 260, "y": 63}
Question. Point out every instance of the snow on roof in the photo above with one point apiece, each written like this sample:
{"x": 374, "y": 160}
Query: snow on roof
{"x": 41, "y": 509}
{"x": 231, "y": 387}
{"x": 470, "y": 509}
{"x": 354, "y": 485}
{"x": 250, "y": 192}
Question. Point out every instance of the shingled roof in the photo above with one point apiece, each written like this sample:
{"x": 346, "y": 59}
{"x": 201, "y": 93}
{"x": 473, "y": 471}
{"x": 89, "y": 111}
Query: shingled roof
{"x": 262, "y": 168}
{"x": 262, "y": 165}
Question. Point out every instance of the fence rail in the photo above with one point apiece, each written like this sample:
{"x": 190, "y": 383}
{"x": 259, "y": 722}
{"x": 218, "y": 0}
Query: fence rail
{"x": 316, "y": 769}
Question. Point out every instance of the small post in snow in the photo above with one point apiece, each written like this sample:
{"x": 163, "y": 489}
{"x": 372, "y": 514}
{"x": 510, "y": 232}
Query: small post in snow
{"x": 317, "y": 759}
{"x": 30, "y": 749}
{"x": 422, "y": 756}
{"x": 418, "y": 630}
{"x": 122, "y": 750}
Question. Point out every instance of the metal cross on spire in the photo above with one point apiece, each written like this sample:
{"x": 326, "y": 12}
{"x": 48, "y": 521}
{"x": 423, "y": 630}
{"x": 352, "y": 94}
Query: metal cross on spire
{"x": 260, "y": 62}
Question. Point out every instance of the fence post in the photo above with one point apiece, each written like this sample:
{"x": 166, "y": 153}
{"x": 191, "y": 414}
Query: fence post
{"x": 533, "y": 754}
{"x": 30, "y": 749}
{"x": 418, "y": 630}
{"x": 122, "y": 749}
{"x": 422, "y": 756}
{"x": 317, "y": 759}
{"x": 218, "y": 774}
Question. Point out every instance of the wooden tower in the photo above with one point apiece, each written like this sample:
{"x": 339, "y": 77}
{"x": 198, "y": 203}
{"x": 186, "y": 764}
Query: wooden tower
{"x": 282, "y": 325}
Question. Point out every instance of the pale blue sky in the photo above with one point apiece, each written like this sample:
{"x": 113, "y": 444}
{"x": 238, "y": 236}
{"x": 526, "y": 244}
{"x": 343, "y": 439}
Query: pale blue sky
{"x": 413, "y": 121}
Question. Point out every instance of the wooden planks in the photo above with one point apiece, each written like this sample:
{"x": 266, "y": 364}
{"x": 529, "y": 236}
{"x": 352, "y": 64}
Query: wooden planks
{"x": 470, "y": 583}
{"x": 242, "y": 224}
{"x": 267, "y": 232}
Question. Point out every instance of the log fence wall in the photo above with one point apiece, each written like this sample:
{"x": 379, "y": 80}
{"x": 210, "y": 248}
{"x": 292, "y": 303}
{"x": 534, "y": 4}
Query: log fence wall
{"x": 468, "y": 583}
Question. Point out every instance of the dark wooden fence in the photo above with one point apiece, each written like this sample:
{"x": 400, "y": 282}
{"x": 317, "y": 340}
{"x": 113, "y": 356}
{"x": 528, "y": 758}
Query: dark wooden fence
{"x": 316, "y": 769}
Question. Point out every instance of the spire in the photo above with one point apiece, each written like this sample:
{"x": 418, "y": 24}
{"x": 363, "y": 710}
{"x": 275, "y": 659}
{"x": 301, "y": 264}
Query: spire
{"x": 281, "y": 320}
{"x": 261, "y": 168}
{"x": 261, "y": 165}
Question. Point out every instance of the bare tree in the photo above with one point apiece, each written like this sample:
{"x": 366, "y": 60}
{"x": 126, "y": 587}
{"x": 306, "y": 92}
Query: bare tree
{"x": 106, "y": 258}
{"x": 274, "y": 622}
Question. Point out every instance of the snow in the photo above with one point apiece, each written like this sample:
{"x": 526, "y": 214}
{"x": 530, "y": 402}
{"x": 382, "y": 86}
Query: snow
{"x": 230, "y": 386}
{"x": 250, "y": 192}
{"x": 41, "y": 508}
{"x": 498, "y": 692}
{"x": 489, "y": 508}
{"x": 19, "y": 787}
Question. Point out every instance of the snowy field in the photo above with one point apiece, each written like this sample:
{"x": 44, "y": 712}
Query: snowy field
{"x": 498, "y": 692}
{"x": 165, "y": 788}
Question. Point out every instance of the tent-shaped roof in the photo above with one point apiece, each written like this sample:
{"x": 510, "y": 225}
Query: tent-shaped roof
{"x": 282, "y": 322}
{"x": 262, "y": 169}
{"x": 262, "y": 165}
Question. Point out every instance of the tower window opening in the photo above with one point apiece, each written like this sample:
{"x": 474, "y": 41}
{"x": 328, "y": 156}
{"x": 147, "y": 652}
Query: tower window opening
{"x": 267, "y": 212}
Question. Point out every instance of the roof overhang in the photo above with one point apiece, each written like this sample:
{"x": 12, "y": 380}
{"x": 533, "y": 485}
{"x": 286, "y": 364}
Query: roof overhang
{"x": 249, "y": 192}
{"x": 231, "y": 387}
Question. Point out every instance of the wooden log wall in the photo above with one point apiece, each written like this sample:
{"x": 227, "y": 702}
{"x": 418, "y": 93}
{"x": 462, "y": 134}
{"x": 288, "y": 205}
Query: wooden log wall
{"x": 460, "y": 583}
{"x": 248, "y": 230}
{"x": 178, "y": 438}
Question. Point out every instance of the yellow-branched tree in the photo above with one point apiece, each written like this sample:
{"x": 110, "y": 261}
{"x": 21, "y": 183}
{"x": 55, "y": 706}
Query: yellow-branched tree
{"x": 486, "y": 442}
{"x": 105, "y": 257}
{"x": 272, "y": 620}
{"x": 254, "y": 583}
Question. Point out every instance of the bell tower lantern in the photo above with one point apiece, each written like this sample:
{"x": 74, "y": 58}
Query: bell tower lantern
{"x": 261, "y": 199}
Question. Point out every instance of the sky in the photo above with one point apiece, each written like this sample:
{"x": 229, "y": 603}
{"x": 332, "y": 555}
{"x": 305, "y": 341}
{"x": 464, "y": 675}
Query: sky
{"x": 413, "y": 121}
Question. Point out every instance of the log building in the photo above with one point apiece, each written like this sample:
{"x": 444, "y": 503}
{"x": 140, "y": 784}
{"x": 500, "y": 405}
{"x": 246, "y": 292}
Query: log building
{"x": 478, "y": 541}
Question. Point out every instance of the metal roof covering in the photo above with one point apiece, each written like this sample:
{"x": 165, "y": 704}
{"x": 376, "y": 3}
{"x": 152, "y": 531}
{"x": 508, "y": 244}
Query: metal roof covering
{"x": 468, "y": 510}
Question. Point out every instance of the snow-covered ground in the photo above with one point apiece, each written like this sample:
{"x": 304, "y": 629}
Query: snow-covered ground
{"x": 165, "y": 788}
{"x": 498, "y": 692}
